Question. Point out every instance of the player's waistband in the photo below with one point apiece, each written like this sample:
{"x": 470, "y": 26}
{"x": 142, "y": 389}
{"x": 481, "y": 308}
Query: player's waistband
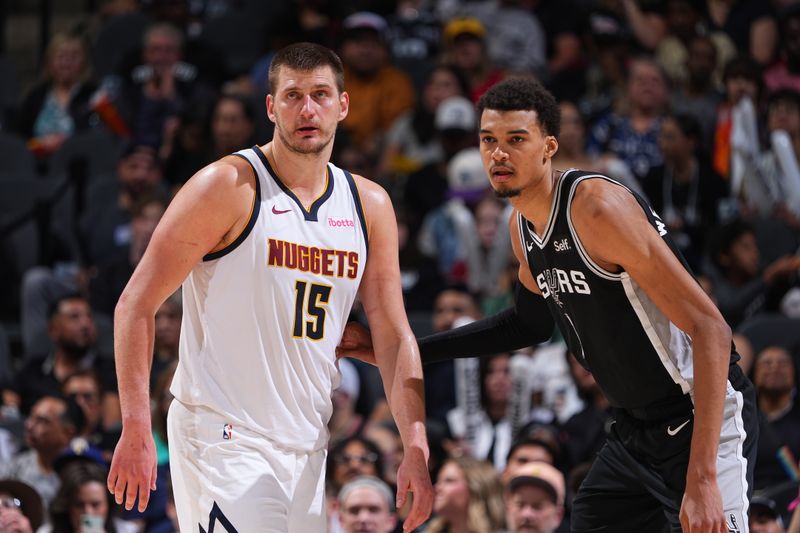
{"x": 676, "y": 406}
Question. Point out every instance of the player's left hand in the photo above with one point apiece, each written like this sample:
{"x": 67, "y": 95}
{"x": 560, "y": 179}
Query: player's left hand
{"x": 356, "y": 343}
{"x": 413, "y": 476}
{"x": 701, "y": 509}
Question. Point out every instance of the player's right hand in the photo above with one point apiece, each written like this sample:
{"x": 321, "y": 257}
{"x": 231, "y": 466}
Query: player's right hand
{"x": 133, "y": 467}
{"x": 356, "y": 343}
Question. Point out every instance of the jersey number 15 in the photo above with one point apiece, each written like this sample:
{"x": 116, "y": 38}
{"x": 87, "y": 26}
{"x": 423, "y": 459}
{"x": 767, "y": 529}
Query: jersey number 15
{"x": 309, "y": 313}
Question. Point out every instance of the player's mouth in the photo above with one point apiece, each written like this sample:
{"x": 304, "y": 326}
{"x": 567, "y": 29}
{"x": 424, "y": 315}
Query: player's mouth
{"x": 307, "y": 130}
{"x": 501, "y": 173}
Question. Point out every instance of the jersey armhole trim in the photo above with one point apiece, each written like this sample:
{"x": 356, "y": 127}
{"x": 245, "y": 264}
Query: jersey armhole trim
{"x": 588, "y": 261}
{"x": 359, "y": 206}
{"x": 521, "y": 231}
{"x": 254, "y": 210}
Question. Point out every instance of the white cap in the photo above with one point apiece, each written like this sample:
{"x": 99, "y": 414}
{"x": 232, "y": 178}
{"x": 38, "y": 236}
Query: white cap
{"x": 455, "y": 113}
{"x": 466, "y": 177}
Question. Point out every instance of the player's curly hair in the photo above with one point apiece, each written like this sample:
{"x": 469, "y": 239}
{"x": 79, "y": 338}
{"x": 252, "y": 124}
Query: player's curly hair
{"x": 524, "y": 94}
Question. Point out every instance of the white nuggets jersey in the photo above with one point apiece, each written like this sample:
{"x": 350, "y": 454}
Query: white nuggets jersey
{"x": 262, "y": 317}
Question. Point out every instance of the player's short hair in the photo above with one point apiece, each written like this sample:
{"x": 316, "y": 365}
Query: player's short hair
{"x": 305, "y": 57}
{"x": 524, "y": 94}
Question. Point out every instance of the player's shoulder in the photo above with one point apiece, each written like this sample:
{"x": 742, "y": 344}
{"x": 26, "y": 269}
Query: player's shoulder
{"x": 227, "y": 172}
{"x": 372, "y": 195}
{"x": 598, "y": 197}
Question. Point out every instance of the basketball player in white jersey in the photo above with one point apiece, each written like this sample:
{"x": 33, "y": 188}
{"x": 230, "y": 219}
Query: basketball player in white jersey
{"x": 271, "y": 245}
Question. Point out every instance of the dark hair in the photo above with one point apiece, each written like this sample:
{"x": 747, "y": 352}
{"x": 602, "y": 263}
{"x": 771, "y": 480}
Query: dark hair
{"x": 483, "y": 368}
{"x": 74, "y": 476}
{"x": 524, "y": 94}
{"x": 245, "y": 103}
{"x": 784, "y": 95}
{"x": 743, "y": 67}
{"x": 305, "y": 57}
{"x": 688, "y": 125}
{"x": 723, "y": 238}
{"x": 338, "y": 450}
{"x": 55, "y": 306}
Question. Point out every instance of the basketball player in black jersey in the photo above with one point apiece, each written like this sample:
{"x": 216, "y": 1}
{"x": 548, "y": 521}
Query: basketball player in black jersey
{"x": 597, "y": 260}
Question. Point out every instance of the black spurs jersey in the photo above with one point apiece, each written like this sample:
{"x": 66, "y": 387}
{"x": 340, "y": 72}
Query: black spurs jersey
{"x": 640, "y": 359}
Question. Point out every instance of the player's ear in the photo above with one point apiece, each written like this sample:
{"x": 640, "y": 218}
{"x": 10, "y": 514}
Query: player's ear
{"x": 271, "y": 107}
{"x": 550, "y": 147}
{"x": 344, "y": 105}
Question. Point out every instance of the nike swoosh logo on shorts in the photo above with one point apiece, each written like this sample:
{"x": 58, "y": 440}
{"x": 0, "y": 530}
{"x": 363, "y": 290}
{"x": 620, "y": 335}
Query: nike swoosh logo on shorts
{"x": 672, "y": 432}
{"x": 275, "y": 211}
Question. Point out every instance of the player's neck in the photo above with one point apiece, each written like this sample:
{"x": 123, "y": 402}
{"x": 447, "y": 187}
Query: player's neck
{"x": 298, "y": 171}
{"x": 536, "y": 200}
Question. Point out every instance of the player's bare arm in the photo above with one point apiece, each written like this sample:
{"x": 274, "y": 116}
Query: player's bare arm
{"x": 616, "y": 233}
{"x": 395, "y": 348}
{"x": 207, "y": 214}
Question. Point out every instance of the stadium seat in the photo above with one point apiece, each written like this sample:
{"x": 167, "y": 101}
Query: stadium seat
{"x": 771, "y": 330}
{"x": 119, "y": 36}
{"x": 18, "y": 161}
{"x": 97, "y": 147}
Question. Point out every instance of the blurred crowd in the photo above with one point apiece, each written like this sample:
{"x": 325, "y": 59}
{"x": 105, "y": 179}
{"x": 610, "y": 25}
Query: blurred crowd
{"x": 694, "y": 104}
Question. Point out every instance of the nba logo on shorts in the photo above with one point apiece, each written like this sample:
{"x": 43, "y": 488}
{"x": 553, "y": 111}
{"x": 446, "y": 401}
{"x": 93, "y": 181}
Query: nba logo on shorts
{"x": 227, "y": 431}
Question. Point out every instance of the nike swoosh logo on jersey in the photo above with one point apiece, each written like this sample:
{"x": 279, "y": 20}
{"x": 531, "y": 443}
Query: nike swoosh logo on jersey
{"x": 276, "y": 211}
{"x": 529, "y": 245}
{"x": 672, "y": 432}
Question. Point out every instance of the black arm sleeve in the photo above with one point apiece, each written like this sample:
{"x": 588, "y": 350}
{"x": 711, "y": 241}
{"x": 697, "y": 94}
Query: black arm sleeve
{"x": 528, "y": 322}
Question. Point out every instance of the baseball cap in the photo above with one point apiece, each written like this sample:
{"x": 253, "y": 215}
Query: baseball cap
{"x": 365, "y": 20}
{"x": 763, "y": 505}
{"x": 466, "y": 178}
{"x": 462, "y": 26}
{"x": 29, "y": 500}
{"x": 455, "y": 113}
{"x": 540, "y": 474}
{"x": 79, "y": 449}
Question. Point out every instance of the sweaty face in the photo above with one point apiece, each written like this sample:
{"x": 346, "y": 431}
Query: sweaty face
{"x": 514, "y": 150}
{"x": 366, "y": 511}
{"x": 306, "y": 108}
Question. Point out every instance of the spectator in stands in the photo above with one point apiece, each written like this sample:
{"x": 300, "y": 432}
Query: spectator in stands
{"x": 468, "y": 234}
{"x": 469, "y": 498}
{"x": 535, "y": 498}
{"x": 749, "y": 23}
{"x": 684, "y": 23}
{"x": 632, "y": 134}
{"x": 83, "y": 502}
{"x": 53, "y": 422}
{"x": 452, "y": 303}
{"x": 465, "y": 46}
{"x": 186, "y": 150}
{"x": 528, "y": 449}
{"x": 161, "y": 85}
{"x": 366, "y": 506}
{"x": 684, "y": 190}
{"x": 419, "y": 274}
{"x": 85, "y": 389}
{"x": 426, "y": 189}
{"x": 21, "y": 508}
{"x": 784, "y": 73}
{"x": 112, "y": 274}
{"x": 742, "y": 78}
{"x": 763, "y": 515}
{"x": 586, "y": 430}
{"x": 167, "y": 336}
{"x": 353, "y": 457}
{"x": 572, "y": 151}
{"x": 73, "y": 332}
{"x": 60, "y": 105}
{"x": 379, "y": 92}
{"x": 741, "y": 288}
{"x": 775, "y": 378}
{"x": 412, "y": 143}
{"x": 493, "y": 434}
{"x": 344, "y": 421}
{"x": 514, "y": 35}
{"x": 414, "y": 35}
{"x": 697, "y": 94}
